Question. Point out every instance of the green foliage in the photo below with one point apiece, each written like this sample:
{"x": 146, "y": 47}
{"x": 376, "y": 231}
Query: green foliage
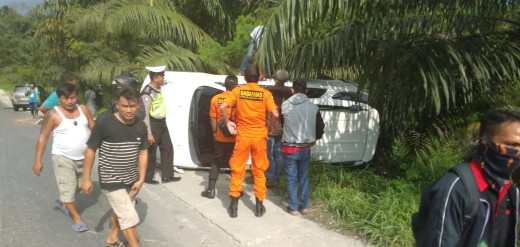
{"x": 215, "y": 56}
{"x": 222, "y": 13}
{"x": 430, "y": 68}
{"x": 442, "y": 154}
{"x": 17, "y": 43}
{"x": 366, "y": 204}
{"x": 226, "y": 59}
{"x": 100, "y": 39}
{"x": 380, "y": 208}
{"x": 425, "y": 64}
{"x": 17, "y": 75}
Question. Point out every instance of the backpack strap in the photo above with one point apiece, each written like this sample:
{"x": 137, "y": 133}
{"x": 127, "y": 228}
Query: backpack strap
{"x": 465, "y": 173}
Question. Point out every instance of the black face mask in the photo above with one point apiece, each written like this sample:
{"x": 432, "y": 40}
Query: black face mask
{"x": 497, "y": 159}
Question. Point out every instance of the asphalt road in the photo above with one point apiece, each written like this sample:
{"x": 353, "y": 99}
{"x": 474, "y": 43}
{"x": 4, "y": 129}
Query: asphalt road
{"x": 28, "y": 216}
{"x": 171, "y": 214}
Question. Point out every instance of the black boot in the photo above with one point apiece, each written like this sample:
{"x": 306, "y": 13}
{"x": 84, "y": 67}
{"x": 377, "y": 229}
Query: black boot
{"x": 260, "y": 209}
{"x": 210, "y": 191}
{"x": 233, "y": 207}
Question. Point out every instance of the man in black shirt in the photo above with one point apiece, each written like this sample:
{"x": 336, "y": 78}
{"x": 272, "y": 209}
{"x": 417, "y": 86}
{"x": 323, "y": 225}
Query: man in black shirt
{"x": 123, "y": 156}
{"x": 445, "y": 215}
{"x": 274, "y": 136}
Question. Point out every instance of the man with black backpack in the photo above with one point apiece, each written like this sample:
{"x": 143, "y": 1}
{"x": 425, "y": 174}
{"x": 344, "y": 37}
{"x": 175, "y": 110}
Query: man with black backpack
{"x": 476, "y": 203}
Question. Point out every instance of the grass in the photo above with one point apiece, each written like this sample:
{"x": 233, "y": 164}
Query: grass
{"x": 365, "y": 205}
{"x": 6, "y": 84}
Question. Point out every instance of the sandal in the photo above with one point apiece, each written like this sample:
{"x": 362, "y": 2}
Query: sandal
{"x": 80, "y": 227}
{"x": 118, "y": 243}
{"x": 62, "y": 207}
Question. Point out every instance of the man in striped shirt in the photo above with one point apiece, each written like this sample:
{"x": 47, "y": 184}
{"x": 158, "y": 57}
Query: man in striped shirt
{"x": 123, "y": 156}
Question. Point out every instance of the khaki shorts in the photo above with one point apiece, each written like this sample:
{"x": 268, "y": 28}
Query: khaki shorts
{"x": 124, "y": 207}
{"x": 68, "y": 175}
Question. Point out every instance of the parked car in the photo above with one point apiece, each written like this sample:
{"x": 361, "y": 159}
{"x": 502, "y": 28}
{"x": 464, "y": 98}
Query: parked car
{"x": 351, "y": 127}
{"x": 19, "y": 99}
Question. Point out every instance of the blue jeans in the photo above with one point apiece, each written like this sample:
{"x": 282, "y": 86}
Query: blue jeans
{"x": 33, "y": 107}
{"x": 274, "y": 153}
{"x": 296, "y": 167}
{"x": 247, "y": 58}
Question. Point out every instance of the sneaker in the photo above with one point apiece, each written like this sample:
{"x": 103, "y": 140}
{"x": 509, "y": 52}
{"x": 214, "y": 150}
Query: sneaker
{"x": 291, "y": 212}
{"x": 178, "y": 170}
{"x": 304, "y": 210}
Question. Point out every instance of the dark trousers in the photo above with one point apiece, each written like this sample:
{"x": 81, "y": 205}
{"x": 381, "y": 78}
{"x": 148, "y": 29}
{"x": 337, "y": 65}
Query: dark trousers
{"x": 33, "y": 107}
{"x": 223, "y": 152}
{"x": 162, "y": 139}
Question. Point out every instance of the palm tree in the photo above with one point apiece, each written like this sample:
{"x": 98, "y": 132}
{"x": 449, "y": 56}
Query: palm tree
{"x": 420, "y": 60}
{"x": 126, "y": 35}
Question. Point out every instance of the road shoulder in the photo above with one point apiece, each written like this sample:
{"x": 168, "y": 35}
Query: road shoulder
{"x": 275, "y": 228}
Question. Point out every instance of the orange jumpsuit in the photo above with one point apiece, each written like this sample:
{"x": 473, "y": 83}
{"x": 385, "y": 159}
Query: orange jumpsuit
{"x": 214, "y": 112}
{"x": 253, "y": 103}
{"x": 223, "y": 145}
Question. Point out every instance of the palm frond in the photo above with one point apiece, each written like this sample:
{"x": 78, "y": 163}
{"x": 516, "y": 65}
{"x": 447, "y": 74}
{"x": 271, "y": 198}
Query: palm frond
{"x": 138, "y": 18}
{"x": 172, "y": 55}
{"x": 418, "y": 59}
{"x": 101, "y": 71}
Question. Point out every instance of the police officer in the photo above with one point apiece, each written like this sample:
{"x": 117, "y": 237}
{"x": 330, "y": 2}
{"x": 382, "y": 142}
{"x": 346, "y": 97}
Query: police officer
{"x": 158, "y": 134}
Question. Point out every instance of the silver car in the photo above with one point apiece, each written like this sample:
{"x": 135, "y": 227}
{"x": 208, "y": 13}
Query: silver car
{"x": 18, "y": 98}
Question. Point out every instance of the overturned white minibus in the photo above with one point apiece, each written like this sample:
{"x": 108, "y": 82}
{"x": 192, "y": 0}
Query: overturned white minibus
{"x": 351, "y": 127}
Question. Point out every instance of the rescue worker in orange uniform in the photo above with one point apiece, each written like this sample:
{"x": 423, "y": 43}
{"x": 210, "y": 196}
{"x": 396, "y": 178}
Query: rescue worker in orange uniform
{"x": 253, "y": 103}
{"x": 223, "y": 144}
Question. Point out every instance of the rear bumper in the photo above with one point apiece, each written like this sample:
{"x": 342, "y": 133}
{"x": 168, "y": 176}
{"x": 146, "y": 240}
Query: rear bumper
{"x": 20, "y": 103}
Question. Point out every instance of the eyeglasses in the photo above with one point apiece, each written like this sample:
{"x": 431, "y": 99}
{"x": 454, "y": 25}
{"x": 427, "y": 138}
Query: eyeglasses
{"x": 75, "y": 123}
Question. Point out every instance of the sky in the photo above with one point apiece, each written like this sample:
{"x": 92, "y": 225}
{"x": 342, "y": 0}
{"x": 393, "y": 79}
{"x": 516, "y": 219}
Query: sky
{"x": 21, "y": 6}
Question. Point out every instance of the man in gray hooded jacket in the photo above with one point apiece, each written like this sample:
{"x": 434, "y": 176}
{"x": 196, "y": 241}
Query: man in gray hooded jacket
{"x": 302, "y": 126}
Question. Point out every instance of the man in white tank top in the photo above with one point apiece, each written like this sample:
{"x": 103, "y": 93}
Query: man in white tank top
{"x": 70, "y": 125}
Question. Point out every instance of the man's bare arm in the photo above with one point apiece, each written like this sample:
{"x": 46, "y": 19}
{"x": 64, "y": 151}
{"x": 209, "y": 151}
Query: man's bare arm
{"x": 88, "y": 161}
{"x": 274, "y": 116}
{"x": 230, "y": 125}
{"x": 88, "y": 114}
{"x": 223, "y": 108}
{"x": 48, "y": 124}
{"x": 147, "y": 102}
{"x": 141, "y": 166}
{"x": 213, "y": 122}
{"x": 43, "y": 109}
